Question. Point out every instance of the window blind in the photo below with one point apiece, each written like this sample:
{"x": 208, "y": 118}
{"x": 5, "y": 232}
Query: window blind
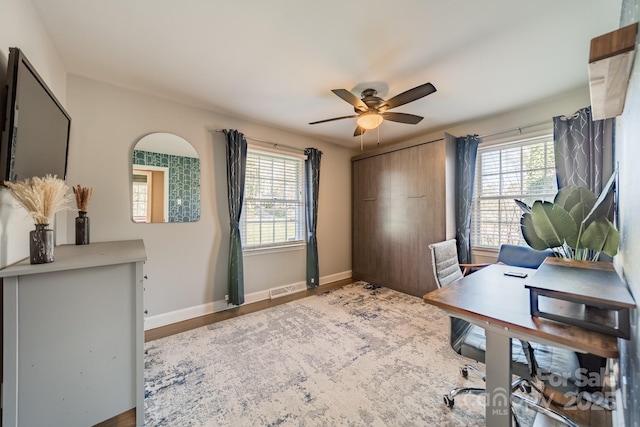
{"x": 273, "y": 209}
{"x": 522, "y": 170}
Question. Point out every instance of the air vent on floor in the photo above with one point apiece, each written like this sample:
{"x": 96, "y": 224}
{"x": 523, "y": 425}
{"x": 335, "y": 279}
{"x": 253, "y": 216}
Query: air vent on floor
{"x": 286, "y": 290}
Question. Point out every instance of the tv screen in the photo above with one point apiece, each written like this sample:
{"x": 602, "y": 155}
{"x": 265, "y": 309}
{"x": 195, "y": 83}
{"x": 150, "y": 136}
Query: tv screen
{"x": 35, "y": 137}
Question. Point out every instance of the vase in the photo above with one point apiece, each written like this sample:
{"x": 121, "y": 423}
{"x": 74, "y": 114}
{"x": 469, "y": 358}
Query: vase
{"x": 41, "y": 244}
{"x": 82, "y": 228}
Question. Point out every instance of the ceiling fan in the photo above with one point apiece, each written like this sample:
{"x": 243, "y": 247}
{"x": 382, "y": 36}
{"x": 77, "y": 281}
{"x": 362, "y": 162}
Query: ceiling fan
{"x": 372, "y": 110}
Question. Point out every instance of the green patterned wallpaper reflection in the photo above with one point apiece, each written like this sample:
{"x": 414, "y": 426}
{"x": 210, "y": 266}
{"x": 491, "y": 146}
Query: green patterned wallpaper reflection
{"x": 184, "y": 183}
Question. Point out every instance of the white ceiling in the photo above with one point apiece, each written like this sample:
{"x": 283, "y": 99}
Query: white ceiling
{"x": 276, "y": 61}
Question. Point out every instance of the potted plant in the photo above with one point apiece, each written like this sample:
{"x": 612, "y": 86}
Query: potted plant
{"x": 576, "y": 225}
{"x": 41, "y": 198}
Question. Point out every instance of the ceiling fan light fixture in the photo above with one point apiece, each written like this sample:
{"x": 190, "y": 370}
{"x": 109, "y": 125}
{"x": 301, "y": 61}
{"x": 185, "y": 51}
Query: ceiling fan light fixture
{"x": 369, "y": 120}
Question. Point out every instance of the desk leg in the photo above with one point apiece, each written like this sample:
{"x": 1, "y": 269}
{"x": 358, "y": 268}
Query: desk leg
{"x": 498, "y": 366}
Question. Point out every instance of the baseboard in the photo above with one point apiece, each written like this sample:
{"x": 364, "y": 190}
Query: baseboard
{"x": 163, "y": 319}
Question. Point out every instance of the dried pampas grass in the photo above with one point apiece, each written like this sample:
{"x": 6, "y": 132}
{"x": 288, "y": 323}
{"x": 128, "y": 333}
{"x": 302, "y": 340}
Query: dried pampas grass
{"x": 41, "y": 197}
{"x": 83, "y": 195}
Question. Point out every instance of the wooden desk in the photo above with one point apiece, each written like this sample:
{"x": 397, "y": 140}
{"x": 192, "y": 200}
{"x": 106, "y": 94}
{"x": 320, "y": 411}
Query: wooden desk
{"x": 500, "y": 304}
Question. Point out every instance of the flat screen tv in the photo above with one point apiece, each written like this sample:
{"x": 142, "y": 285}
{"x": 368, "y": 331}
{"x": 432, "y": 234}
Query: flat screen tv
{"x": 35, "y": 126}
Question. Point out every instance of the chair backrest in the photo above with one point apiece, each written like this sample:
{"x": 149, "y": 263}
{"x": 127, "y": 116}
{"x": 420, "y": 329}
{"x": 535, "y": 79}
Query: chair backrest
{"x": 444, "y": 257}
{"x": 522, "y": 256}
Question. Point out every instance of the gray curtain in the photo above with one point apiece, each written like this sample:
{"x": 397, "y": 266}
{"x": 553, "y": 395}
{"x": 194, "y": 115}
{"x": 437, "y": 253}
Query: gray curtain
{"x": 583, "y": 150}
{"x": 312, "y": 187}
{"x": 236, "y": 166}
{"x": 466, "y": 152}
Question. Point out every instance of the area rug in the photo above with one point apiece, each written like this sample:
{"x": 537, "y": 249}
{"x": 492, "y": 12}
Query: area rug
{"x": 360, "y": 355}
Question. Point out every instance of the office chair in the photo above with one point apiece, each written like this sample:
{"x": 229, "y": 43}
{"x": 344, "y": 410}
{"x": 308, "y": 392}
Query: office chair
{"x": 522, "y": 256}
{"x": 469, "y": 340}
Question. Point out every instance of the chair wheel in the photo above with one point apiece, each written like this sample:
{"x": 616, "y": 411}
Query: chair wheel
{"x": 464, "y": 372}
{"x": 448, "y": 401}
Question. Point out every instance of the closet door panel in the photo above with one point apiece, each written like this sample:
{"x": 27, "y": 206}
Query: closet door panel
{"x": 431, "y": 219}
{"x": 416, "y": 201}
{"x": 396, "y": 227}
{"x": 366, "y": 219}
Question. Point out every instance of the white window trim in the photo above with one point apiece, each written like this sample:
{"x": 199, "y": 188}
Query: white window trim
{"x": 280, "y": 246}
{"x": 498, "y": 144}
{"x": 258, "y": 250}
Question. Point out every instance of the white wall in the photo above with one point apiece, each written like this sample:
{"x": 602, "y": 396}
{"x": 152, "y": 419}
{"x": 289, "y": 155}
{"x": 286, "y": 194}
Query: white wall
{"x": 627, "y": 153}
{"x": 188, "y": 262}
{"x": 21, "y": 27}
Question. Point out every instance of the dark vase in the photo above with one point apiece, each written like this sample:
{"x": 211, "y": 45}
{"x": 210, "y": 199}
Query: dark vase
{"x": 41, "y": 244}
{"x": 82, "y": 228}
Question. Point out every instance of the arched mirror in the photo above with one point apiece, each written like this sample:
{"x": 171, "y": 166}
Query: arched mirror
{"x": 165, "y": 179}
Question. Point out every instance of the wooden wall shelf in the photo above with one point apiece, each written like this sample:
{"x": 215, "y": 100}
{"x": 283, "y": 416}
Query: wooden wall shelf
{"x": 610, "y": 61}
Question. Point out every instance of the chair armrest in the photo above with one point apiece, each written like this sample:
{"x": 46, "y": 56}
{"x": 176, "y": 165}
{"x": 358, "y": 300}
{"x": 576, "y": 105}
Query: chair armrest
{"x": 467, "y": 268}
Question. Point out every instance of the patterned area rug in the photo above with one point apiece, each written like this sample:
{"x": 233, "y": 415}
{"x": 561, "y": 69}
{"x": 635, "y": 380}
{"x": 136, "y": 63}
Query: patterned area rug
{"x": 359, "y": 355}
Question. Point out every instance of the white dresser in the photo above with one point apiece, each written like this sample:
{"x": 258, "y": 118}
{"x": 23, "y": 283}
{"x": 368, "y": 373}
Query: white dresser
{"x": 73, "y": 336}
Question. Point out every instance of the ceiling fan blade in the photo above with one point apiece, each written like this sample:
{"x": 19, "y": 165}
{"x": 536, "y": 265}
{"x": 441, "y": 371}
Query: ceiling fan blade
{"x": 335, "y": 118}
{"x": 402, "y": 118}
{"x": 408, "y": 96}
{"x": 359, "y": 131}
{"x": 351, "y": 99}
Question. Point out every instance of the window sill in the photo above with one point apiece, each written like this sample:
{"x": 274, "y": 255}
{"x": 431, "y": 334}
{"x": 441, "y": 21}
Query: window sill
{"x": 273, "y": 249}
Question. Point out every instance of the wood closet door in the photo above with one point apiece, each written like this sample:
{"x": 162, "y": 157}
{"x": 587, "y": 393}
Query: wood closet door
{"x": 399, "y": 208}
{"x": 367, "y": 253}
{"x": 426, "y": 215}
{"x": 415, "y": 217}
{"x": 396, "y": 227}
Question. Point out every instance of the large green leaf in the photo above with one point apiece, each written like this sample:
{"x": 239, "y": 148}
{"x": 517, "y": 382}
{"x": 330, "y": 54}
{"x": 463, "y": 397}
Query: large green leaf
{"x": 552, "y": 224}
{"x": 529, "y": 233}
{"x": 603, "y": 207}
{"x": 601, "y": 236}
{"x": 578, "y": 213}
{"x": 525, "y": 208}
{"x": 570, "y": 196}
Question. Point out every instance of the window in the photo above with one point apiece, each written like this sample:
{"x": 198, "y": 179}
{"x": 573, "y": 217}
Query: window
{"x": 522, "y": 170}
{"x": 273, "y": 208}
{"x": 141, "y": 184}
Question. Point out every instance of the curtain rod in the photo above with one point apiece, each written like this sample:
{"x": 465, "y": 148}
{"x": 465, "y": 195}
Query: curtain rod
{"x": 519, "y": 129}
{"x": 274, "y": 144}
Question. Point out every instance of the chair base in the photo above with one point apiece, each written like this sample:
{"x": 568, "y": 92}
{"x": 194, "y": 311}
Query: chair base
{"x": 544, "y": 410}
{"x": 519, "y": 384}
